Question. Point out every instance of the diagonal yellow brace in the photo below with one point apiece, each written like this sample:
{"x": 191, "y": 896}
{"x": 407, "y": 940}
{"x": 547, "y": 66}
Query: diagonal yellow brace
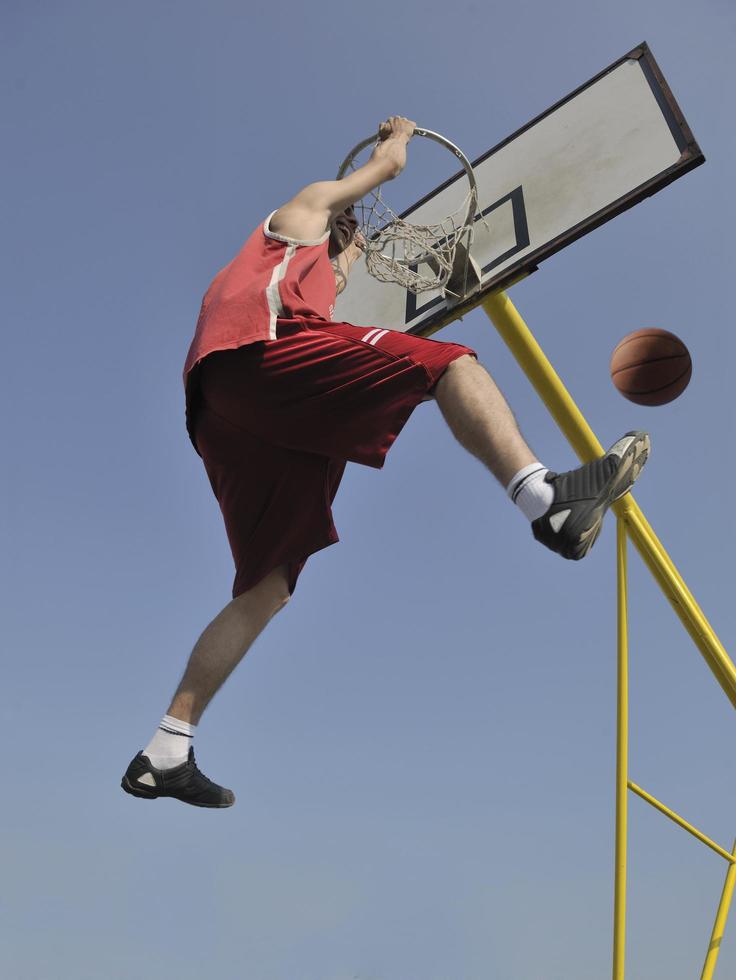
{"x": 676, "y": 818}
{"x": 530, "y": 356}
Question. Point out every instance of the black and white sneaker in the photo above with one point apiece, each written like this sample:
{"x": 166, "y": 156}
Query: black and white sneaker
{"x": 582, "y": 496}
{"x": 184, "y": 782}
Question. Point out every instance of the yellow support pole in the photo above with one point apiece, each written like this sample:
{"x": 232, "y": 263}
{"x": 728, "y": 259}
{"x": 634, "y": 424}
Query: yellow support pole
{"x": 720, "y": 923}
{"x": 522, "y": 344}
{"x": 622, "y": 760}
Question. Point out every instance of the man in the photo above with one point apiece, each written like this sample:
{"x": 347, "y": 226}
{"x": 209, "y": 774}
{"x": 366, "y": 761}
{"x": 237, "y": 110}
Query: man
{"x": 279, "y": 397}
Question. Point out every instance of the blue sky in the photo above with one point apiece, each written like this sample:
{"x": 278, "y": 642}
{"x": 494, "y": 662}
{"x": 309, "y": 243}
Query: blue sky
{"x": 422, "y": 744}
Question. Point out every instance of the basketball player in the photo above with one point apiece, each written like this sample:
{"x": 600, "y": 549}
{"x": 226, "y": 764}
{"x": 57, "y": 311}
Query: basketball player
{"x": 279, "y": 397}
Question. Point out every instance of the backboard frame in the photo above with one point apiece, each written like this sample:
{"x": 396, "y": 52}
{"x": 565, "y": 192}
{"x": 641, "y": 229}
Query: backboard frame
{"x": 690, "y": 157}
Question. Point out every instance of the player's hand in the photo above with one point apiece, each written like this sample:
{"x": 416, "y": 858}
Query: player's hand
{"x": 397, "y": 126}
{"x": 393, "y": 135}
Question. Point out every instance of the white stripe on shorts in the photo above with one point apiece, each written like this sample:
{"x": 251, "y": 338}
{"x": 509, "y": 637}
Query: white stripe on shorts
{"x": 376, "y": 337}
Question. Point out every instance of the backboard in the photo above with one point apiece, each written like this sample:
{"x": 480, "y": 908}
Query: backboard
{"x": 612, "y": 142}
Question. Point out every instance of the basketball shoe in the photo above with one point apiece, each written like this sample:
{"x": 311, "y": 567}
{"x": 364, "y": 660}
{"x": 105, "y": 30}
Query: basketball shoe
{"x": 582, "y": 496}
{"x": 184, "y": 782}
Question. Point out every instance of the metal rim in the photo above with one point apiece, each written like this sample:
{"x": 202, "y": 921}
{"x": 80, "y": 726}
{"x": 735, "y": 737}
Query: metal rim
{"x": 437, "y": 138}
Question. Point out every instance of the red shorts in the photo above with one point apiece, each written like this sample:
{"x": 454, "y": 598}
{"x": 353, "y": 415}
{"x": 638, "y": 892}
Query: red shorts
{"x": 277, "y": 420}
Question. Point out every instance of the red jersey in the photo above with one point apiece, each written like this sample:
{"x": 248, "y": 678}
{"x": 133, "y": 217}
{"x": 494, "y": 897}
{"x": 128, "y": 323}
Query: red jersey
{"x": 272, "y": 278}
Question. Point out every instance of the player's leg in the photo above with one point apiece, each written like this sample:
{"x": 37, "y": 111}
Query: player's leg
{"x": 566, "y": 510}
{"x": 224, "y": 643}
{"x": 166, "y": 767}
{"x": 480, "y": 418}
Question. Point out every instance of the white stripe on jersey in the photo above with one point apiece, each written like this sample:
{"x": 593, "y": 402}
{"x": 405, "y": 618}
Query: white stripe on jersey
{"x": 371, "y": 332}
{"x": 275, "y": 306}
{"x": 374, "y": 340}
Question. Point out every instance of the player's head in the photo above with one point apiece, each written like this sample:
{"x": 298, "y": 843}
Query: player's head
{"x": 342, "y": 231}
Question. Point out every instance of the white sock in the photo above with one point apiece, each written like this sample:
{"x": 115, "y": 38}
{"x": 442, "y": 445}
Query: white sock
{"x": 530, "y": 492}
{"x": 169, "y": 747}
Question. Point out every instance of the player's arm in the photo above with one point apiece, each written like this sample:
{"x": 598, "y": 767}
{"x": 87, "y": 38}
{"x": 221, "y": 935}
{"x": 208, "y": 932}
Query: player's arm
{"x": 307, "y": 216}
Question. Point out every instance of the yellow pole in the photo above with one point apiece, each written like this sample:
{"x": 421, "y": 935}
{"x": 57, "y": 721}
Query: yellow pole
{"x": 661, "y": 566}
{"x": 517, "y": 336}
{"x": 622, "y": 761}
{"x": 720, "y": 923}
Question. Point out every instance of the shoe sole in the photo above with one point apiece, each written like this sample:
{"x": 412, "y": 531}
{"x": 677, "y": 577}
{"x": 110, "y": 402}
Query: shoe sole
{"x": 142, "y": 795}
{"x": 622, "y": 480}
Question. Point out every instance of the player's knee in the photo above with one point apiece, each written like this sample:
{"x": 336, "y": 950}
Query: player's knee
{"x": 270, "y": 594}
{"x": 282, "y": 599}
{"x": 459, "y": 364}
{"x": 454, "y": 368}
{"x": 279, "y": 587}
{"x": 464, "y": 360}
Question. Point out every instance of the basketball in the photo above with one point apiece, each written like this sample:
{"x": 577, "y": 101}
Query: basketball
{"x": 651, "y": 366}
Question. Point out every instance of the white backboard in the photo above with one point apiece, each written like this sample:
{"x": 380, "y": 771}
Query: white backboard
{"x": 615, "y": 140}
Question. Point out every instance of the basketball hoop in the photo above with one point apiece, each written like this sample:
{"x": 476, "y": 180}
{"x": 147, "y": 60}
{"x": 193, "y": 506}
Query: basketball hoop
{"x": 418, "y": 257}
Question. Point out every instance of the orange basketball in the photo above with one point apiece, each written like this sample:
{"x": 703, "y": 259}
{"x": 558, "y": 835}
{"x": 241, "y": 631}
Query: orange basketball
{"x": 651, "y": 366}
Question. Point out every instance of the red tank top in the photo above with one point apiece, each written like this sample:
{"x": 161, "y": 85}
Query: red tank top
{"x": 272, "y": 278}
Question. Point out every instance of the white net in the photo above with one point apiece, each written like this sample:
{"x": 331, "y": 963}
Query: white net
{"x": 418, "y": 257}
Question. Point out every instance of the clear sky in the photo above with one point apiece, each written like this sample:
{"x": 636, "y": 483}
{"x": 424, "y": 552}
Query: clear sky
{"x": 422, "y": 744}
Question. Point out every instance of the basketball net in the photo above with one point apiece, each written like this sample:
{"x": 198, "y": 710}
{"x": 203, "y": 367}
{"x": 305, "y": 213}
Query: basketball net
{"x": 417, "y": 257}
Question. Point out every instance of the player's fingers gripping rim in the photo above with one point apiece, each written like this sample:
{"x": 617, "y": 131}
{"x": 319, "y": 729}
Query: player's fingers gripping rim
{"x": 396, "y": 125}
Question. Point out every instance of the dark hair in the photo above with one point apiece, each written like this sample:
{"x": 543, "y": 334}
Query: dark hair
{"x": 342, "y": 231}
